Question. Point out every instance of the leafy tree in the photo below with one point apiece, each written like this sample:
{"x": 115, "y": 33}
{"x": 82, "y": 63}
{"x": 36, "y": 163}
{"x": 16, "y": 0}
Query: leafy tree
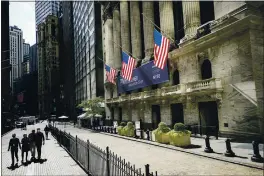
{"x": 93, "y": 106}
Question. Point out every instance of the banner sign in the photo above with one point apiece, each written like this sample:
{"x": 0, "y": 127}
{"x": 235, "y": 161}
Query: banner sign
{"x": 143, "y": 76}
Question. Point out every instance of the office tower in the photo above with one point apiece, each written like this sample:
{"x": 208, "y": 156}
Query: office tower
{"x": 48, "y": 66}
{"x": 33, "y": 62}
{"x": 87, "y": 50}
{"x": 5, "y": 60}
{"x": 67, "y": 65}
{"x": 26, "y": 47}
{"x": 16, "y": 53}
{"x": 45, "y": 8}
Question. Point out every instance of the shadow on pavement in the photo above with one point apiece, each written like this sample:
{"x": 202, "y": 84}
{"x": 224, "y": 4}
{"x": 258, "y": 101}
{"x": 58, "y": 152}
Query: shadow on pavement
{"x": 191, "y": 146}
{"x": 16, "y": 166}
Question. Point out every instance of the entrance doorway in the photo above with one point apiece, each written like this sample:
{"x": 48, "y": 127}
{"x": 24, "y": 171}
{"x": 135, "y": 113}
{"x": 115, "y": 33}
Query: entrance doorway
{"x": 206, "y": 69}
{"x": 155, "y": 116}
{"x": 177, "y": 113}
{"x": 208, "y": 116}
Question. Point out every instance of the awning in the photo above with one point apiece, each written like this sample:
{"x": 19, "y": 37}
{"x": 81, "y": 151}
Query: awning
{"x": 81, "y": 116}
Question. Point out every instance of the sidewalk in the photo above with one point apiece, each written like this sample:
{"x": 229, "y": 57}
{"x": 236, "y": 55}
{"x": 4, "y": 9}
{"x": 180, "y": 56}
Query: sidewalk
{"x": 163, "y": 160}
{"x": 58, "y": 160}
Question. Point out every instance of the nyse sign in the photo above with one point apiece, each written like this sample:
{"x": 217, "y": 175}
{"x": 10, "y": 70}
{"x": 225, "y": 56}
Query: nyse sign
{"x": 143, "y": 76}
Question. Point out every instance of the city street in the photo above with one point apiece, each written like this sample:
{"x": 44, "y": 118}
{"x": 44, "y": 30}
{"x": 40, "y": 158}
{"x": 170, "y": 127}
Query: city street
{"x": 162, "y": 160}
{"x": 58, "y": 160}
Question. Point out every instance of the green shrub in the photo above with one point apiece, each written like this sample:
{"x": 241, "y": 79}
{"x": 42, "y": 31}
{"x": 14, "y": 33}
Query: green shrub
{"x": 161, "y": 133}
{"x": 120, "y": 130}
{"x": 179, "y": 127}
{"x": 128, "y": 130}
{"x": 123, "y": 124}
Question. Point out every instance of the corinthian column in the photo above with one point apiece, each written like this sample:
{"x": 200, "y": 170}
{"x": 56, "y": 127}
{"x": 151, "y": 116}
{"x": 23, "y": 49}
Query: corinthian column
{"x": 167, "y": 18}
{"x": 148, "y": 10}
{"x": 125, "y": 32}
{"x": 135, "y": 29}
{"x": 117, "y": 38}
{"x": 191, "y": 18}
{"x": 109, "y": 40}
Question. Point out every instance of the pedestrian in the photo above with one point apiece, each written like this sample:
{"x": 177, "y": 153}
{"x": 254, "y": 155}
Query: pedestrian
{"x": 32, "y": 144}
{"x": 39, "y": 138}
{"x": 46, "y": 129}
{"x": 25, "y": 147}
{"x": 13, "y": 145}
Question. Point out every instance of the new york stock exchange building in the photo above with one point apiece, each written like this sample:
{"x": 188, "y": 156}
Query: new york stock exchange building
{"x": 214, "y": 73}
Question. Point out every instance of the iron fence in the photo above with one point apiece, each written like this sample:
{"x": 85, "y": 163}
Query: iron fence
{"x": 95, "y": 160}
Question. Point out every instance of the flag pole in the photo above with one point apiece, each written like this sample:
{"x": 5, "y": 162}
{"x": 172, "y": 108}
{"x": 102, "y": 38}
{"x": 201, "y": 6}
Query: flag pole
{"x": 105, "y": 63}
{"x": 158, "y": 27}
{"x": 124, "y": 50}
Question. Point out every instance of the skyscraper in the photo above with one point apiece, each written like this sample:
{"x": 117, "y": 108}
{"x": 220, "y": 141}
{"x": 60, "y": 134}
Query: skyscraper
{"x": 16, "y": 53}
{"x": 26, "y": 47}
{"x": 67, "y": 59}
{"x": 48, "y": 66}
{"x": 45, "y": 8}
{"x": 5, "y": 61}
{"x": 89, "y": 81}
{"x": 33, "y": 60}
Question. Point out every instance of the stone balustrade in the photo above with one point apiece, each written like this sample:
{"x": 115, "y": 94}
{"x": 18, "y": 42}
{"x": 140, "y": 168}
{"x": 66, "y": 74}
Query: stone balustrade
{"x": 213, "y": 83}
{"x": 180, "y": 89}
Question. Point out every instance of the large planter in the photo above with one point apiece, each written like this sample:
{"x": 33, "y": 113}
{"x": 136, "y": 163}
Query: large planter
{"x": 129, "y": 132}
{"x": 120, "y": 130}
{"x": 180, "y": 139}
{"x": 161, "y": 137}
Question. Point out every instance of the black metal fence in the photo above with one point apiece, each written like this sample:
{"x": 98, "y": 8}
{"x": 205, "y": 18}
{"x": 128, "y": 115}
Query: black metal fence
{"x": 95, "y": 160}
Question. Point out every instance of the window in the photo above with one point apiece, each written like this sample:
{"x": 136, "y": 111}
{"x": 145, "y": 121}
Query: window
{"x": 206, "y": 69}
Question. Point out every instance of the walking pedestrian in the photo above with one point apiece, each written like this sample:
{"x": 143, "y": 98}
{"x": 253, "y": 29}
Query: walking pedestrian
{"x": 25, "y": 147}
{"x": 39, "y": 138}
{"x": 13, "y": 145}
{"x": 46, "y": 129}
{"x": 32, "y": 144}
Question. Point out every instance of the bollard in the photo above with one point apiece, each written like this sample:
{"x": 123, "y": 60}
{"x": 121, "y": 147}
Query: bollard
{"x": 208, "y": 148}
{"x": 111, "y": 130}
{"x": 141, "y": 134}
{"x": 229, "y": 152}
{"x": 114, "y": 130}
{"x": 135, "y": 133}
{"x": 148, "y": 137}
{"x": 147, "y": 169}
{"x": 256, "y": 156}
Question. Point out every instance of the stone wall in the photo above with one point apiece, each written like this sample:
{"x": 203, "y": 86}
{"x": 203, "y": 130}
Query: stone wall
{"x": 191, "y": 114}
{"x": 224, "y": 7}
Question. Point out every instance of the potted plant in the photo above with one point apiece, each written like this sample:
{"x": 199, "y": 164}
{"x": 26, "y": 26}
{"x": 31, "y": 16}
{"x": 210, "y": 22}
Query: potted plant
{"x": 120, "y": 128}
{"x": 161, "y": 133}
{"x": 180, "y": 136}
{"x": 129, "y": 129}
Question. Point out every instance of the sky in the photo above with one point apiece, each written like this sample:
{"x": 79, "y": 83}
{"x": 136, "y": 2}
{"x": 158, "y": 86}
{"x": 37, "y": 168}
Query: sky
{"x": 22, "y": 14}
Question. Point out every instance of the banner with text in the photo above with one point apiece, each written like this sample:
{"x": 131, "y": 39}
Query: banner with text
{"x": 143, "y": 76}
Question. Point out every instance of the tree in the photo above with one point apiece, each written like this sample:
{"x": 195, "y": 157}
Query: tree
{"x": 93, "y": 106}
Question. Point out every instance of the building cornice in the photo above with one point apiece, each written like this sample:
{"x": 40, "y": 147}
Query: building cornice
{"x": 223, "y": 33}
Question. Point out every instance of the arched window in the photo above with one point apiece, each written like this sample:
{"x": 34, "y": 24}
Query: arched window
{"x": 206, "y": 69}
{"x": 176, "y": 77}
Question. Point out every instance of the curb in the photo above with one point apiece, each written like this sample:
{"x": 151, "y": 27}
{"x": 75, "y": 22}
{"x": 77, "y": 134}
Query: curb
{"x": 181, "y": 150}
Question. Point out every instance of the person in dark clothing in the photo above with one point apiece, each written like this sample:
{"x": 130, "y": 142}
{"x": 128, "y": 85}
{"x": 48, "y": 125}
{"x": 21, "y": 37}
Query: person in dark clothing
{"x": 25, "y": 147}
{"x": 13, "y": 145}
{"x": 32, "y": 144}
{"x": 46, "y": 129}
{"x": 39, "y": 138}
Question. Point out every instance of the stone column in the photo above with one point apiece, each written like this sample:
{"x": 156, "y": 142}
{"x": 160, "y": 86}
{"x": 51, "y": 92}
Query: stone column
{"x": 191, "y": 18}
{"x": 109, "y": 40}
{"x": 167, "y": 18}
{"x": 148, "y": 10}
{"x": 125, "y": 32}
{"x": 135, "y": 29}
{"x": 117, "y": 37}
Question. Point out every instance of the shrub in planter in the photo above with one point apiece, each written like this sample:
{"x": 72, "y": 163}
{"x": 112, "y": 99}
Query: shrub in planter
{"x": 180, "y": 136}
{"x": 128, "y": 130}
{"x": 161, "y": 133}
{"x": 120, "y": 130}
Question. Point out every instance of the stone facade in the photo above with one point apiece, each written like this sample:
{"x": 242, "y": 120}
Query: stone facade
{"x": 211, "y": 69}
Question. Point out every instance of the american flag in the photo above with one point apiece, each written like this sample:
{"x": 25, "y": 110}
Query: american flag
{"x": 110, "y": 74}
{"x": 161, "y": 49}
{"x": 128, "y": 65}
